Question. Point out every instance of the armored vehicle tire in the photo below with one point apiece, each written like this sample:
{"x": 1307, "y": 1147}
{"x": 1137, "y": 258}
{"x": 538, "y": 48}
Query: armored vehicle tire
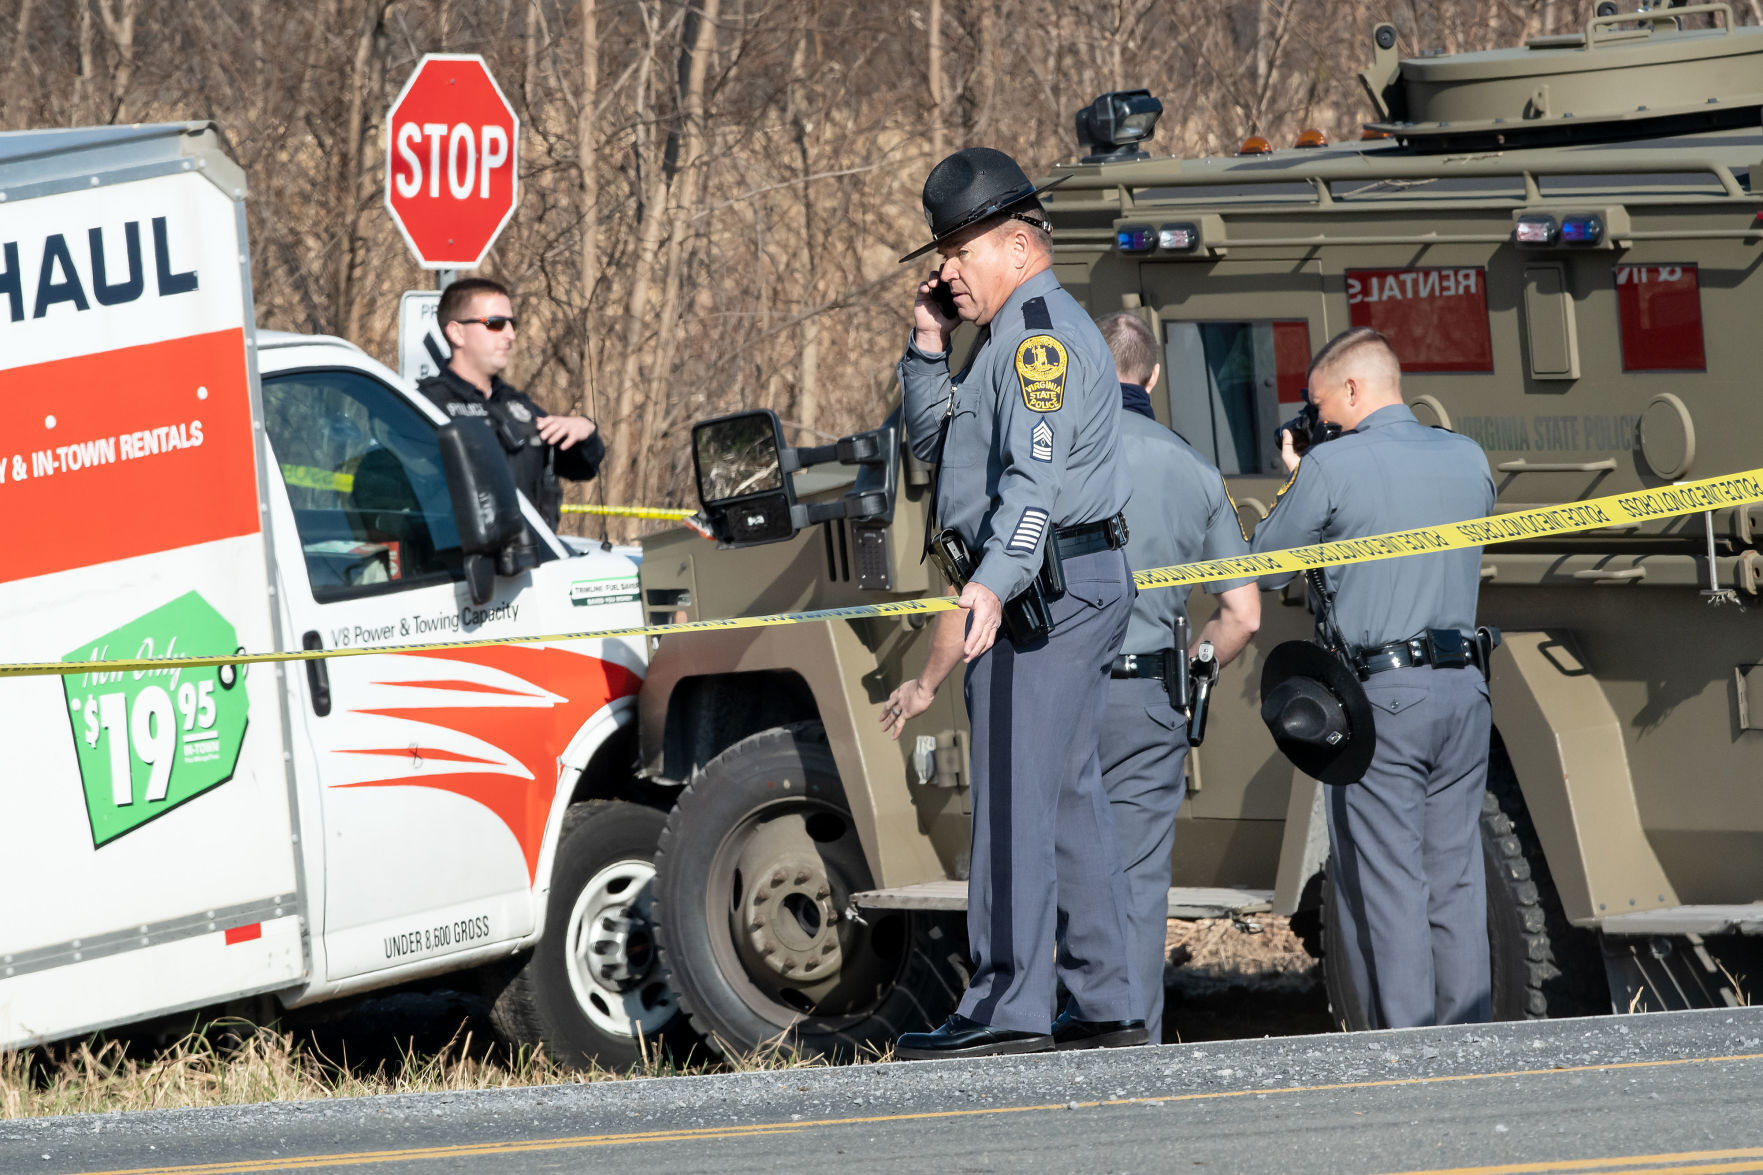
{"x": 1542, "y": 965}
{"x": 593, "y": 991}
{"x": 753, "y": 880}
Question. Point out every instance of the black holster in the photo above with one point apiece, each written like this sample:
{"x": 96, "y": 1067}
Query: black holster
{"x": 1028, "y": 619}
{"x": 1175, "y": 670}
{"x": 1487, "y": 639}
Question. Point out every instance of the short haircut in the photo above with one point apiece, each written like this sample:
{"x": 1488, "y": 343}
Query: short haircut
{"x": 456, "y": 299}
{"x": 1131, "y": 343}
{"x": 1358, "y": 341}
{"x": 1032, "y": 217}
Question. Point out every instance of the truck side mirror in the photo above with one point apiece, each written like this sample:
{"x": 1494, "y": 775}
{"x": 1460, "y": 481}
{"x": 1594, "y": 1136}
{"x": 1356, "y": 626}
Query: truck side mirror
{"x": 741, "y": 481}
{"x": 744, "y": 481}
{"x": 486, "y": 506}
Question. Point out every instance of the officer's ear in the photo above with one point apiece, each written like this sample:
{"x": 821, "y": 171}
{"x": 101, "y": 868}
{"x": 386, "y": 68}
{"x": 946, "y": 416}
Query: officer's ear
{"x": 455, "y": 334}
{"x": 1151, "y": 380}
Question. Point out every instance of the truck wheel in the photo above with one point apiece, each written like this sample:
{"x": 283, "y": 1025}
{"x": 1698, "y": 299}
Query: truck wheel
{"x": 1542, "y": 965}
{"x": 753, "y": 880}
{"x": 593, "y": 991}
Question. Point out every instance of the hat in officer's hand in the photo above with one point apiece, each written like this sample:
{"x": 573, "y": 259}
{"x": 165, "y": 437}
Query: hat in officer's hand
{"x": 969, "y": 186}
{"x": 1317, "y": 712}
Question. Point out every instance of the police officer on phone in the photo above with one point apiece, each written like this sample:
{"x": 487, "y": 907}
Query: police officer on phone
{"x": 1028, "y": 491}
{"x": 477, "y": 317}
{"x": 1180, "y": 512}
{"x": 1394, "y": 716}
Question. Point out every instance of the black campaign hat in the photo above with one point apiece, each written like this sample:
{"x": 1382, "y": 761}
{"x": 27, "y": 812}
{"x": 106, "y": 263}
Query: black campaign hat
{"x": 967, "y": 187}
{"x": 1317, "y": 712}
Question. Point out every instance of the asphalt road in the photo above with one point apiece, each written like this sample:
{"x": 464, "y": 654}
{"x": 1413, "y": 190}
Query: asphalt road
{"x": 1679, "y": 1092}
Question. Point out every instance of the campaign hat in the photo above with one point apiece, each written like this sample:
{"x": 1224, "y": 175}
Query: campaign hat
{"x": 973, "y": 184}
{"x": 1317, "y": 712}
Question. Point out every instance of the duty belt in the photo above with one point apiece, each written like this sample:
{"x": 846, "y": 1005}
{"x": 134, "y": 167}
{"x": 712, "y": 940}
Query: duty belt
{"x": 1130, "y": 665}
{"x": 1087, "y": 538}
{"x": 1441, "y": 648}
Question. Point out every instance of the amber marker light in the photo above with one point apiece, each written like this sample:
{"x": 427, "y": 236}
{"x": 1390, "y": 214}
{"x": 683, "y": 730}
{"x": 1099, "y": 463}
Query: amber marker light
{"x": 1311, "y": 138}
{"x": 1255, "y": 145}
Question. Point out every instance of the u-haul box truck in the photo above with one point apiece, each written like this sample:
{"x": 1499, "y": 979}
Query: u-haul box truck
{"x": 176, "y": 482}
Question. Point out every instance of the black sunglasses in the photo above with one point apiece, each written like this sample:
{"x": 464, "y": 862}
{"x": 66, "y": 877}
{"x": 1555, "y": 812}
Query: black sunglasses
{"x": 494, "y": 322}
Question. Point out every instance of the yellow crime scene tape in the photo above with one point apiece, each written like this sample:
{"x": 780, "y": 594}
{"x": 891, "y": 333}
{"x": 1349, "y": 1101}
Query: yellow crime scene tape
{"x": 668, "y": 513}
{"x": 1691, "y": 497}
{"x": 309, "y": 477}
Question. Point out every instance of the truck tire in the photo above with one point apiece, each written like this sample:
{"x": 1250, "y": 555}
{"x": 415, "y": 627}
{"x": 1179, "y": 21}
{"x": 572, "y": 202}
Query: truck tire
{"x": 1542, "y": 965}
{"x": 753, "y": 881}
{"x": 593, "y": 992}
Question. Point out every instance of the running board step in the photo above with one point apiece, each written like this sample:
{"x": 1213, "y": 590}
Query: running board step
{"x": 1688, "y": 920}
{"x": 1184, "y": 901}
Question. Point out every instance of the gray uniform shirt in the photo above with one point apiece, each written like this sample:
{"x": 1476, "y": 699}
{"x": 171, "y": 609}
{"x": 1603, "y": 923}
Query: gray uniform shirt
{"x": 1034, "y": 437}
{"x": 1180, "y": 512}
{"x": 1391, "y": 473}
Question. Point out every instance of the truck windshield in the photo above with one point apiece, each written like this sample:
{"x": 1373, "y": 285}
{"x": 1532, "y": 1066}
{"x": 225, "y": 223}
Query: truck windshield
{"x": 364, "y": 478}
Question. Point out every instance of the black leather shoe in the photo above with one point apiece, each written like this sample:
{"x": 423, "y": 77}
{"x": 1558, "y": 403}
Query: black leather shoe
{"x": 961, "y": 1037}
{"x": 1071, "y": 1033}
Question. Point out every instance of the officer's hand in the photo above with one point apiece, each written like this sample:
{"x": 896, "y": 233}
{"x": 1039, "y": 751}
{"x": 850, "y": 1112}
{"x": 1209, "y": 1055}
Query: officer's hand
{"x": 1287, "y": 453}
{"x": 909, "y": 701}
{"x": 564, "y": 431}
{"x": 985, "y": 614}
{"x": 928, "y": 322}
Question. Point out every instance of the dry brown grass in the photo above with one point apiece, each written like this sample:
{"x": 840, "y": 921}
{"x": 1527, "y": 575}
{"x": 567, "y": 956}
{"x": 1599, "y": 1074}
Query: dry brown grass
{"x": 237, "y": 1063}
{"x": 1218, "y": 950}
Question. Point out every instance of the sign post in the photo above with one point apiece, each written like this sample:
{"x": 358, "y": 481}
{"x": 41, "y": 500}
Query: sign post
{"x": 422, "y": 348}
{"x": 453, "y": 146}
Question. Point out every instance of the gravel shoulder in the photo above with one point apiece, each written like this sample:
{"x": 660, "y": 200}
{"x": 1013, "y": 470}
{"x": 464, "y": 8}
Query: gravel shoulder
{"x": 1389, "y": 1101}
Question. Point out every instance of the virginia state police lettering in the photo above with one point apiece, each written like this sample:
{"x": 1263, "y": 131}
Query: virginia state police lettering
{"x": 60, "y": 276}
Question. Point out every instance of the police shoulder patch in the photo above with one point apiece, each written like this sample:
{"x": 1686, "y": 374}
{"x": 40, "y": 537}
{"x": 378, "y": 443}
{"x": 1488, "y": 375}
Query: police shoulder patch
{"x": 1040, "y": 369}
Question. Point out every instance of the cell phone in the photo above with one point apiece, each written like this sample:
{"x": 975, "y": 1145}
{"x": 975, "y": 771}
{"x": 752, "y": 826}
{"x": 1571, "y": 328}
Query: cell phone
{"x": 944, "y": 298}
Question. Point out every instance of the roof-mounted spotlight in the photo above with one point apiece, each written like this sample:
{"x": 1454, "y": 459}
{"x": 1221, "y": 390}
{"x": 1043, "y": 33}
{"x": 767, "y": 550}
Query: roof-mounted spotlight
{"x": 1111, "y": 127}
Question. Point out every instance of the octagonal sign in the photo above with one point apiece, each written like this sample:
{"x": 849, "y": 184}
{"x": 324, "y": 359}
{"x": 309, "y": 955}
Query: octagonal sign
{"x": 453, "y": 143}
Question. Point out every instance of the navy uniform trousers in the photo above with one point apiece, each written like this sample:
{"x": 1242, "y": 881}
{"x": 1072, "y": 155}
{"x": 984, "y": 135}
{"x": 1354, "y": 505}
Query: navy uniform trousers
{"x": 1410, "y": 883}
{"x": 1144, "y": 746}
{"x": 1043, "y": 835}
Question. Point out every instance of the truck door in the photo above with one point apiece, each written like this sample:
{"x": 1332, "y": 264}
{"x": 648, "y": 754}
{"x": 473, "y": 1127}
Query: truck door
{"x": 435, "y": 774}
{"x": 1237, "y": 338}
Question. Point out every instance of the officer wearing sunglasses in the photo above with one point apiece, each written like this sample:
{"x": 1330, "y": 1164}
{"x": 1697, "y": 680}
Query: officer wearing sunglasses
{"x": 477, "y": 317}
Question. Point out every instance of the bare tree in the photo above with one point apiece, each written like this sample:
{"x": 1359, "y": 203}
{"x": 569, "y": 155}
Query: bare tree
{"x": 713, "y": 192}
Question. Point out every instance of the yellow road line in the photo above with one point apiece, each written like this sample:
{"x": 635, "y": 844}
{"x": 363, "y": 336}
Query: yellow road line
{"x": 1680, "y": 1163}
{"x": 765, "y": 1129}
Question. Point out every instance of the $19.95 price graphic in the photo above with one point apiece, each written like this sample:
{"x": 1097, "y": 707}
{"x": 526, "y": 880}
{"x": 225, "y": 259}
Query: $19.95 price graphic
{"x": 149, "y": 741}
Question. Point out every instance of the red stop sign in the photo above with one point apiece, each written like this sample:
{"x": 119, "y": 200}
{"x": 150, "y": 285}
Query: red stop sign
{"x": 452, "y": 145}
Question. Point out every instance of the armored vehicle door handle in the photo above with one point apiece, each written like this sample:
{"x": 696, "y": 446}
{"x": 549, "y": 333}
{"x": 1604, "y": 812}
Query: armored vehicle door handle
{"x": 318, "y": 678}
{"x": 1607, "y": 465}
{"x": 1630, "y": 575}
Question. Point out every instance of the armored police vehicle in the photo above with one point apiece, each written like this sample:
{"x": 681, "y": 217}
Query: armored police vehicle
{"x": 1563, "y": 242}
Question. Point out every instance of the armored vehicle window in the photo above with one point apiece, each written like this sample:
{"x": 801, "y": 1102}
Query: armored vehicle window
{"x": 1684, "y": 183}
{"x": 1437, "y": 318}
{"x": 1660, "y": 307}
{"x": 1229, "y": 383}
{"x": 1481, "y": 187}
{"x": 364, "y": 477}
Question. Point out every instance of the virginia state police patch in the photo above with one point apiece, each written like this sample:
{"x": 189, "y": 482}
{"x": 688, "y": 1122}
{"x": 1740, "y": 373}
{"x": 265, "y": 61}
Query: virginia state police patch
{"x": 1040, "y": 367}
